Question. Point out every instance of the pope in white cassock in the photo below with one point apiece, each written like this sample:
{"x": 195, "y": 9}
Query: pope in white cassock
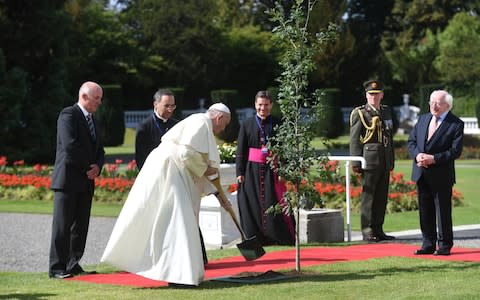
{"x": 156, "y": 233}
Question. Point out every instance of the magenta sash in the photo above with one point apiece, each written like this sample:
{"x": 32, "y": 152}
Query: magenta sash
{"x": 256, "y": 155}
{"x": 280, "y": 189}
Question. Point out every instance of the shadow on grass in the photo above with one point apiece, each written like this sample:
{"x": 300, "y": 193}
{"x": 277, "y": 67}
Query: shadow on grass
{"x": 313, "y": 276}
{"x": 33, "y": 296}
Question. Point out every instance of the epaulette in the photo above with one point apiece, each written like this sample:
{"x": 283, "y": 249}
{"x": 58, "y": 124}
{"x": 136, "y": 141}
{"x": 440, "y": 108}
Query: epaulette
{"x": 354, "y": 111}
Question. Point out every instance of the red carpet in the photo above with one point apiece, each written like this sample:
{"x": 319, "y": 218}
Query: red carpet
{"x": 279, "y": 260}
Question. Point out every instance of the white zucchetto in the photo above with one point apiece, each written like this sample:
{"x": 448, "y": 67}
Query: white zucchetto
{"x": 219, "y": 107}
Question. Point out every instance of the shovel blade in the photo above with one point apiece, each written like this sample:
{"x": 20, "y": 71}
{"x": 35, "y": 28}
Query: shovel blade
{"x": 251, "y": 249}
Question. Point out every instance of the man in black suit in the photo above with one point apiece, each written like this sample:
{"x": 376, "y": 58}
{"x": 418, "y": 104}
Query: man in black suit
{"x": 151, "y": 130}
{"x": 434, "y": 144}
{"x": 79, "y": 159}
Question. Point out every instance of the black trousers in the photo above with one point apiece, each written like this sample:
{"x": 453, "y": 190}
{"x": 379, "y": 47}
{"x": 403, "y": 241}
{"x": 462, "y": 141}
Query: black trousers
{"x": 71, "y": 217}
{"x": 435, "y": 205}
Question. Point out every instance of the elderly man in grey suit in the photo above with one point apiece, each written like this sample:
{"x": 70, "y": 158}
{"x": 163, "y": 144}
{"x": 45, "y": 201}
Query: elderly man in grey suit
{"x": 434, "y": 144}
{"x": 79, "y": 159}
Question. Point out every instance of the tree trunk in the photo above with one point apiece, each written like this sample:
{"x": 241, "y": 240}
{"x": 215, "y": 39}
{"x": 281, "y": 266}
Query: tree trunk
{"x": 297, "y": 241}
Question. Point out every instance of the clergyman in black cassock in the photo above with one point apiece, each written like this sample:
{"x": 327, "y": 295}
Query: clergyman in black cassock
{"x": 258, "y": 186}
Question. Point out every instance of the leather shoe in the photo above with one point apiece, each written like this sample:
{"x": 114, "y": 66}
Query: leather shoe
{"x": 424, "y": 251}
{"x": 441, "y": 251}
{"x": 384, "y": 237}
{"x": 370, "y": 238}
{"x": 61, "y": 275}
{"x": 77, "y": 270}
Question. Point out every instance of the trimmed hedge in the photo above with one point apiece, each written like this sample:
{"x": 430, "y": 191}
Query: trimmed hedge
{"x": 110, "y": 116}
{"x": 231, "y": 99}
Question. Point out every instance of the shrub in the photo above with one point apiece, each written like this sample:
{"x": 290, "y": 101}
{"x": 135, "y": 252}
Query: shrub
{"x": 227, "y": 152}
{"x": 231, "y": 99}
{"x": 110, "y": 116}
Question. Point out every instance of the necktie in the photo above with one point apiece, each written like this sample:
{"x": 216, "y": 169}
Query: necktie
{"x": 433, "y": 126}
{"x": 91, "y": 127}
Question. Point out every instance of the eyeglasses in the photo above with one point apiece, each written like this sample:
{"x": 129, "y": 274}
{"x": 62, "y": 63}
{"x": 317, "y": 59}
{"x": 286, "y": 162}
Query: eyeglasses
{"x": 170, "y": 106}
{"x": 434, "y": 103}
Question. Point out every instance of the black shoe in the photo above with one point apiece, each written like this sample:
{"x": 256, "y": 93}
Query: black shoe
{"x": 384, "y": 237}
{"x": 441, "y": 251}
{"x": 77, "y": 270}
{"x": 87, "y": 273}
{"x": 60, "y": 275}
{"x": 180, "y": 285}
{"x": 424, "y": 251}
{"x": 370, "y": 238}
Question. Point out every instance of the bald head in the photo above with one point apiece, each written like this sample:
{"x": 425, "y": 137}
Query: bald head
{"x": 90, "y": 96}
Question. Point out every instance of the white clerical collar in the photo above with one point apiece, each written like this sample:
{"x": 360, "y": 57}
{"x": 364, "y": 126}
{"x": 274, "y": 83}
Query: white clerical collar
{"x": 163, "y": 119}
{"x": 84, "y": 111}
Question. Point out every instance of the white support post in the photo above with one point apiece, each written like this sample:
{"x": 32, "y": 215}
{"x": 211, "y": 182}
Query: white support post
{"x": 347, "y": 160}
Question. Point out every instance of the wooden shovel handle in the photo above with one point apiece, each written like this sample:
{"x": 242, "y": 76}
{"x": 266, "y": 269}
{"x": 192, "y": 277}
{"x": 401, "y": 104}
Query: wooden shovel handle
{"x": 228, "y": 207}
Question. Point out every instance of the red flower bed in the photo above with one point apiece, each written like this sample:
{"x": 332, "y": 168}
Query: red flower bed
{"x": 116, "y": 181}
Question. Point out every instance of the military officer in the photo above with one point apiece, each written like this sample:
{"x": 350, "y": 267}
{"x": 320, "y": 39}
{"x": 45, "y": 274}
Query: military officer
{"x": 371, "y": 131}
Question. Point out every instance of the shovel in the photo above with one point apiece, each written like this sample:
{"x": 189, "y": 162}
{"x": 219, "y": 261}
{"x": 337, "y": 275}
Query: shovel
{"x": 251, "y": 248}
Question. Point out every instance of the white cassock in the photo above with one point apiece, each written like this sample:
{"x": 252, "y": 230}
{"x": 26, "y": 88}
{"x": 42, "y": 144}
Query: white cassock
{"x": 156, "y": 234}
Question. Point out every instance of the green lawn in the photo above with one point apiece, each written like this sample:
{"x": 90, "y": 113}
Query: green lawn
{"x": 128, "y": 146}
{"x": 385, "y": 278}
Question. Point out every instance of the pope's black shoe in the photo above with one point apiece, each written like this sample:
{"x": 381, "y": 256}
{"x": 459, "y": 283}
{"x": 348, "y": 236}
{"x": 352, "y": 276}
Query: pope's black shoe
{"x": 424, "y": 251}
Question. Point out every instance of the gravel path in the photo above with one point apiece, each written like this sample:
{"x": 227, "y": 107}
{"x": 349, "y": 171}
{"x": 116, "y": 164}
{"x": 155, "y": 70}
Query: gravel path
{"x": 25, "y": 240}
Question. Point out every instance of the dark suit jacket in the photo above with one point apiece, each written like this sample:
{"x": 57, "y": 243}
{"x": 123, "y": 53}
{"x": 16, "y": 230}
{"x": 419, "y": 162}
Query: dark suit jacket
{"x": 148, "y": 137}
{"x": 76, "y": 151}
{"x": 446, "y": 145}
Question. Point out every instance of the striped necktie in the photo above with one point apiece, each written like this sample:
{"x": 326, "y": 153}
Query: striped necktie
{"x": 91, "y": 127}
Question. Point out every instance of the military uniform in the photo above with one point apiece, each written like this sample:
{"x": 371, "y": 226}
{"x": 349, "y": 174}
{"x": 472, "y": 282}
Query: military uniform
{"x": 371, "y": 132}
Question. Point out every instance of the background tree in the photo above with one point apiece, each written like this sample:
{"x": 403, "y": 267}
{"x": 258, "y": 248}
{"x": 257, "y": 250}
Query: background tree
{"x": 332, "y": 56}
{"x": 360, "y": 42}
{"x": 459, "y": 43}
{"x": 406, "y": 41}
{"x": 248, "y": 62}
{"x": 33, "y": 41}
{"x": 13, "y": 89}
{"x": 184, "y": 34}
{"x": 102, "y": 48}
{"x": 457, "y": 65}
